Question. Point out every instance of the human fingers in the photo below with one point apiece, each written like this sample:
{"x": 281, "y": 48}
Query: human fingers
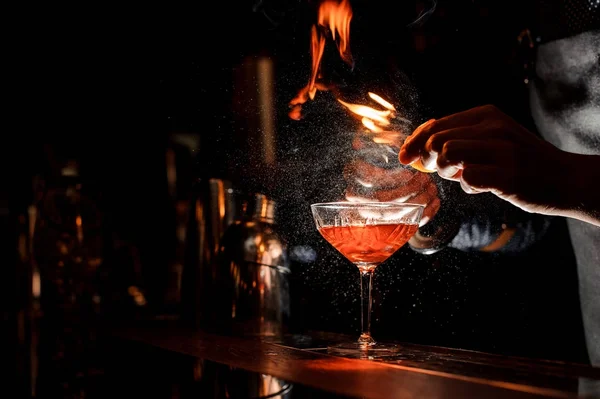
{"x": 429, "y": 198}
{"x": 485, "y": 178}
{"x": 481, "y": 131}
{"x": 412, "y": 146}
{"x": 426, "y": 194}
{"x": 458, "y": 154}
{"x": 430, "y": 211}
{"x": 389, "y": 137}
{"x": 435, "y": 143}
{"x": 488, "y": 115}
{"x": 357, "y": 143}
{"x": 371, "y": 176}
{"x": 410, "y": 150}
{"x": 398, "y": 194}
{"x": 417, "y": 184}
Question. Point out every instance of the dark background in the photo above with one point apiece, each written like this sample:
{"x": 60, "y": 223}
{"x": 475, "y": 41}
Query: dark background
{"x": 110, "y": 86}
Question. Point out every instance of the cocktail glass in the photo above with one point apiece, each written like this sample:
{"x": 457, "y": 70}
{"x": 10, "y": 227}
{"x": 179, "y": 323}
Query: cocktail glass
{"x": 367, "y": 234}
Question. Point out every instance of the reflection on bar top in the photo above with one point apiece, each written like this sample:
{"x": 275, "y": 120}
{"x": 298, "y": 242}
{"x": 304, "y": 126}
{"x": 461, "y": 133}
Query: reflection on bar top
{"x": 542, "y": 373}
{"x": 424, "y": 370}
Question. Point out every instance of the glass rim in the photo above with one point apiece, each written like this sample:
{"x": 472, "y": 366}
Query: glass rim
{"x": 373, "y": 204}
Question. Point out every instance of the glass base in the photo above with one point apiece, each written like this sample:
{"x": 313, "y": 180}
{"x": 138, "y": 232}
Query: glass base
{"x": 361, "y": 350}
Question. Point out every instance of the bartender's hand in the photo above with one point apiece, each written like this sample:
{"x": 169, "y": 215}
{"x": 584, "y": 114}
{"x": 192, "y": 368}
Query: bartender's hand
{"x": 369, "y": 182}
{"x": 487, "y": 151}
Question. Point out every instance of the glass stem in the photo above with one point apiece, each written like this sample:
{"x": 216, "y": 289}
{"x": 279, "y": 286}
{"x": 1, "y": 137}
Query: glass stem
{"x": 366, "y": 279}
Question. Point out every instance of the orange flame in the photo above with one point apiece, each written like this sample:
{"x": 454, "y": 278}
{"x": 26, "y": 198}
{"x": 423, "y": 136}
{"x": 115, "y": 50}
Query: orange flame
{"x": 371, "y": 113}
{"x": 382, "y": 102}
{"x": 318, "y": 45}
{"x": 375, "y": 120}
{"x": 335, "y": 17}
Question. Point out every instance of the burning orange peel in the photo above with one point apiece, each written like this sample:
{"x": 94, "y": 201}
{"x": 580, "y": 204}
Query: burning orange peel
{"x": 418, "y": 165}
{"x": 334, "y": 17}
{"x": 376, "y": 121}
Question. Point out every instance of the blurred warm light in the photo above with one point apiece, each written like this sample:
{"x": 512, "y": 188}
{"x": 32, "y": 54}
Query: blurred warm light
{"x": 138, "y": 296}
{"x": 36, "y": 284}
{"x": 266, "y": 100}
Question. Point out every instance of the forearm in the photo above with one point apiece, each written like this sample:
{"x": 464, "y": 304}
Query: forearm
{"x": 581, "y": 189}
{"x": 485, "y": 223}
{"x": 512, "y": 233}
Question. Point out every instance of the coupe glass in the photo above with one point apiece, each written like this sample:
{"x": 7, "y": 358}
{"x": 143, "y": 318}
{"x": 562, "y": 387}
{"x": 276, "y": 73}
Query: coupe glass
{"x": 366, "y": 233}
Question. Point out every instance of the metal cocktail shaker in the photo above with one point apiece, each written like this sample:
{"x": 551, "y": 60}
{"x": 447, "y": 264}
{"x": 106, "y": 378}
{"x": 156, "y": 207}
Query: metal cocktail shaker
{"x": 235, "y": 278}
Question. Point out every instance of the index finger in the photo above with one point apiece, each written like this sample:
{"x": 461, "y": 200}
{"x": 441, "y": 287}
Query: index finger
{"x": 415, "y": 143}
{"x": 410, "y": 150}
{"x": 364, "y": 173}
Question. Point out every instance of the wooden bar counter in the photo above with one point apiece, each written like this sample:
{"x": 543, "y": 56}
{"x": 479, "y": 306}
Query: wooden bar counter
{"x": 414, "y": 372}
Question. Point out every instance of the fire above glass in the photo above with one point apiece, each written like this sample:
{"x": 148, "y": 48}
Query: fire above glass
{"x": 367, "y": 234}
